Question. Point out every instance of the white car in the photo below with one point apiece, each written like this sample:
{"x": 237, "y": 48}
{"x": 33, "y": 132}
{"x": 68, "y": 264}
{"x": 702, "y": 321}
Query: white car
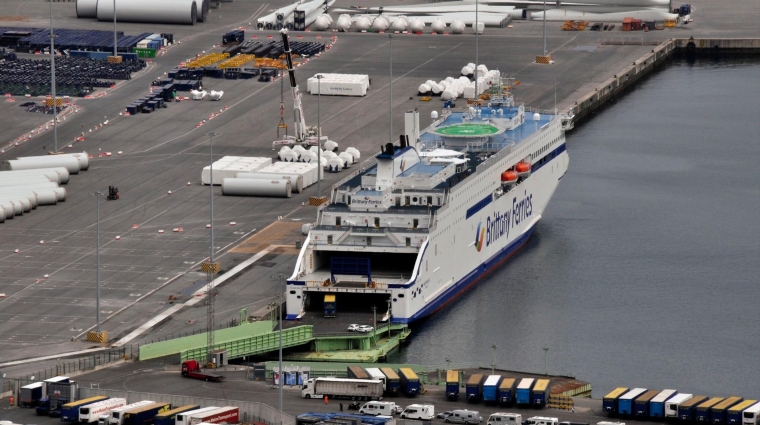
{"x": 353, "y": 328}
{"x": 365, "y": 328}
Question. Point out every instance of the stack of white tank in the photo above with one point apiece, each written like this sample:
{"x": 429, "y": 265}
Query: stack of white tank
{"x": 278, "y": 180}
{"x": 28, "y": 182}
{"x": 452, "y": 88}
{"x": 230, "y": 166}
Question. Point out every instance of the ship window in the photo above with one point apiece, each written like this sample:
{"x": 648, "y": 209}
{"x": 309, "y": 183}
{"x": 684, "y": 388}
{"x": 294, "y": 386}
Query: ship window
{"x": 292, "y": 292}
{"x": 430, "y": 200}
{"x": 329, "y": 239}
{"x": 377, "y": 222}
{"x": 337, "y": 221}
{"x": 408, "y": 242}
{"x": 416, "y": 222}
{"x": 406, "y": 201}
{"x": 369, "y": 241}
{"x": 401, "y": 295}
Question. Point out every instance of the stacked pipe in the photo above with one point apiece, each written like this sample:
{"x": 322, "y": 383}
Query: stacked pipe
{"x": 30, "y": 182}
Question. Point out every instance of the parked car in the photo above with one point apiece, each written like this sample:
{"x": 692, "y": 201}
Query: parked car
{"x": 353, "y": 327}
{"x": 354, "y": 405}
{"x": 443, "y": 415}
{"x": 365, "y": 329}
{"x": 397, "y": 409}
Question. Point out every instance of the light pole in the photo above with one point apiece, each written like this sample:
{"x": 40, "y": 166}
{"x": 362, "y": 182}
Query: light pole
{"x": 544, "y": 27}
{"x": 114, "y": 28}
{"x": 97, "y": 196}
{"x": 374, "y": 324}
{"x": 211, "y": 136}
{"x": 546, "y": 353}
{"x": 52, "y": 80}
{"x": 280, "y": 278}
{"x": 319, "y": 137}
{"x": 477, "y": 95}
{"x": 493, "y": 364}
{"x": 390, "y": 99}
{"x": 448, "y": 363}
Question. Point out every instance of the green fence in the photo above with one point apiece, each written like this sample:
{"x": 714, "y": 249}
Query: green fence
{"x": 253, "y": 345}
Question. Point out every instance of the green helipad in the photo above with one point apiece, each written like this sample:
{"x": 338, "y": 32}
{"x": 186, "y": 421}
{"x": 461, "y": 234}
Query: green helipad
{"x": 468, "y": 130}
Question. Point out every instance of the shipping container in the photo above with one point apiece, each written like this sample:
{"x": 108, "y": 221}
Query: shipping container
{"x": 30, "y": 395}
{"x": 625, "y": 402}
{"x": 687, "y": 408}
{"x": 657, "y": 404}
{"x": 522, "y": 394}
{"x": 70, "y": 411}
{"x": 410, "y": 382}
{"x": 671, "y": 406}
{"x": 507, "y": 390}
{"x": 392, "y": 381}
{"x": 627, "y": 24}
{"x": 117, "y": 415}
{"x": 452, "y": 384}
{"x": 356, "y": 372}
{"x": 144, "y": 52}
{"x": 375, "y": 373}
{"x": 751, "y": 416}
{"x": 734, "y": 414}
{"x": 474, "y": 387}
{"x": 93, "y": 412}
{"x": 355, "y": 389}
{"x": 227, "y": 415}
{"x": 719, "y": 411}
{"x": 641, "y": 403}
{"x": 183, "y": 418}
{"x": 703, "y": 410}
{"x": 329, "y": 305}
{"x": 491, "y": 388}
{"x": 145, "y": 415}
{"x": 540, "y": 393}
{"x": 610, "y": 401}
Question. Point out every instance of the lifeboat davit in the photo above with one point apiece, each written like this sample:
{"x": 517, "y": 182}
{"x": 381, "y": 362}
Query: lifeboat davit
{"x": 523, "y": 168}
{"x": 509, "y": 177}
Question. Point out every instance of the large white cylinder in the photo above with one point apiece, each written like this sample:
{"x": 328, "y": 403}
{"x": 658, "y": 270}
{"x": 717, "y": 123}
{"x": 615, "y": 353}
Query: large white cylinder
{"x": 296, "y": 181}
{"x": 14, "y": 181}
{"x": 87, "y": 8}
{"x": 27, "y": 202}
{"x": 59, "y": 174}
{"x": 30, "y": 163}
{"x": 256, "y": 187}
{"x": 164, "y": 12}
{"x": 11, "y": 207}
{"x": 45, "y": 196}
{"x": 84, "y": 159}
{"x": 2, "y": 213}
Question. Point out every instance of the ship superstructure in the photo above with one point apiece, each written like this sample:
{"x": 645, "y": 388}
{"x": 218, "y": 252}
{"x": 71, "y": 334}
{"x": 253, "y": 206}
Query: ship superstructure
{"x": 423, "y": 219}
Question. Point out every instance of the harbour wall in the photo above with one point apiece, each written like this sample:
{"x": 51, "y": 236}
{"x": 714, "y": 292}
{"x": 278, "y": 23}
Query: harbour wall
{"x": 657, "y": 57}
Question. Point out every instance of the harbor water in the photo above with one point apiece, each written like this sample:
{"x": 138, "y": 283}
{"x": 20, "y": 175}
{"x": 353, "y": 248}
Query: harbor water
{"x": 645, "y": 269}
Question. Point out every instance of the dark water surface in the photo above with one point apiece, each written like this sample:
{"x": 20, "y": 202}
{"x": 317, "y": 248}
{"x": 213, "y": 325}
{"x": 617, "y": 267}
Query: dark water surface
{"x": 645, "y": 269}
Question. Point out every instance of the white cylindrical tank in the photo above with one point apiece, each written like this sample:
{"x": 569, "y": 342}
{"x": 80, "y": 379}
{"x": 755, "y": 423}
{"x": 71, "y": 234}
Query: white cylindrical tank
{"x": 283, "y": 149}
{"x": 334, "y": 165}
{"x": 354, "y": 153}
{"x": 344, "y": 23}
{"x": 401, "y": 23}
{"x": 329, "y": 154}
{"x": 363, "y": 23}
{"x": 330, "y": 145}
{"x": 298, "y": 149}
{"x": 11, "y": 206}
{"x": 423, "y": 89}
{"x": 347, "y": 158}
{"x": 308, "y": 157}
{"x": 289, "y": 156}
{"x": 59, "y": 174}
{"x": 457, "y": 26}
{"x": 416, "y": 25}
{"x": 256, "y": 187}
{"x": 438, "y": 25}
{"x": 71, "y": 164}
{"x": 87, "y": 8}
{"x": 467, "y": 71}
{"x": 43, "y": 196}
{"x": 296, "y": 181}
{"x": 436, "y": 89}
{"x": 23, "y": 203}
{"x": 322, "y": 23}
{"x": 13, "y": 181}
{"x": 380, "y": 23}
{"x": 84, "y": 159}
{"x": 58, "y": 192}
{"x": 165, "y": 12}
{"x": 315, "y": 149}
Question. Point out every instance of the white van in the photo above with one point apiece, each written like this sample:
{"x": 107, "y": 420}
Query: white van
{"x": 423, "y": 412}
{"x": 376, "y": 408}
{"x": 541, "y": 420}
{"x": 500, "y": 418}
{"x": 464, "y": 416}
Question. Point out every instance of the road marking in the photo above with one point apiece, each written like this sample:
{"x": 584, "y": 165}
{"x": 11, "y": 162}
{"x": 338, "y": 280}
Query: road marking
{"x": 54, "y": 356}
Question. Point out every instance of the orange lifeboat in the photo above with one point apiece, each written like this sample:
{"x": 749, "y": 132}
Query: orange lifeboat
{"x": 509, "y": 177}
{"x": 523, "y": 168}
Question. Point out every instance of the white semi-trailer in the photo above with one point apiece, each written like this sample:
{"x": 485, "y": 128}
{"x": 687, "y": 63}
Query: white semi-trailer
{"x": 354, "y": 389}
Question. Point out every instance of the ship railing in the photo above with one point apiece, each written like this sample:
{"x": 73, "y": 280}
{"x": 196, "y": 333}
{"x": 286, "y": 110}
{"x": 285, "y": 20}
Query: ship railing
{"x": 361, "y": 168}
{"x": 371, "y": 229}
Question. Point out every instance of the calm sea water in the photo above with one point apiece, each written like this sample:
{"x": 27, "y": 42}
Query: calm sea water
{"x": 645, "y": 270}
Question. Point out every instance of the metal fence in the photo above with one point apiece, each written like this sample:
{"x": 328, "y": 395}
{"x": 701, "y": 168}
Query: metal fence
{"x": 249, "y": 411}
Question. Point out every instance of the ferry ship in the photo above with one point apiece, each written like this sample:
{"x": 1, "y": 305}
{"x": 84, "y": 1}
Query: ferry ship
{"x": 425, "y": 218}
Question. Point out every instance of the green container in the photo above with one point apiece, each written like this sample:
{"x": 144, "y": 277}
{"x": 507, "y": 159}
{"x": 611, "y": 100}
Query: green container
{"x": 144, "y": 53}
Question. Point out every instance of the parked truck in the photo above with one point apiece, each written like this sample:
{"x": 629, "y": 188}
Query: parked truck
{"x": 392, "y": 381}
{"x": 376, "y": 374}
{"x": 539, "y": 395}
{"x": 117, "y": 415}
{"x": 92, "y": 412}
{"x": 354, "y": 389}
{"x": 657, "y": 404}
{"x": 168, "y": 417}
{"x": 625, "y": 403}
{"x": 329, "y": 305}
{"x": 491, "y": 389}
{"x": 751, "y": 415}
{"x": 641, "y": 403}
{"x": 452, "y": 384}
{"x": 356, "y": 372}
{"x": 185, "y": 417}
{"x": 687, "y": 408}
{"x": 610, "y": 401}
{"x": 507, "y": 390}
{"x": 227, "y": 415}
{"x": 703, "y": 411}
{"x": 410, "y": 382}
{"x": 474, "y": 387}
{"x": 734, "y": 414}
{"x": 671, "y": 406}
{"x": 30, "y": 395}
{"x": 718, "y": 415}
{"x": 70, "y": 410}
{"x": 145, "y": 415}
{"x": 522, "y": 394}
{"x": 192, "y": 369}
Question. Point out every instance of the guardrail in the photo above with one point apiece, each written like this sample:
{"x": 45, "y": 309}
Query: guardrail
{"x": 257, "y": 344}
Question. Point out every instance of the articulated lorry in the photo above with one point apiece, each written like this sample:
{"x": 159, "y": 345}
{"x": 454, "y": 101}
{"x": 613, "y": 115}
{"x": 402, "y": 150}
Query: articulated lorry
{"x": 92, "y": 412}
{"x": 410, "y": 382}
{"x": 145, "y": 415}
{"x": 70, "y": 410}
{"x": 354, "y": 389}
{"x": 192, "y": 369}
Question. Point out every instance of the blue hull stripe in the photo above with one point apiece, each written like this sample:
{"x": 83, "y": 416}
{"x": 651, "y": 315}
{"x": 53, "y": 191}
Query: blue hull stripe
{"x": 467, "y": 281}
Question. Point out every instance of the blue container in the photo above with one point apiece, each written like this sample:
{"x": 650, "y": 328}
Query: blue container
{"x": 129, "y": 56}
{"x": 522, "y": 394}
{"x": 626, "y": 401}
{"x": 657, "y": 404}
{"x": 99, "y": 55}
{"x": 490, "y": 388}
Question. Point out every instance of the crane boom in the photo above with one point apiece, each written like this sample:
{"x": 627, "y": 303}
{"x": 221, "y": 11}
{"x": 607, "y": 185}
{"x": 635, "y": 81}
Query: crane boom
{"x": 300, "y": 122}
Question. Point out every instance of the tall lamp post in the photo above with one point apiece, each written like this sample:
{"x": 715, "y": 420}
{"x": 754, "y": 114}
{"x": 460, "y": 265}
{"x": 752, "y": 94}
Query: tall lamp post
{"x": 319, "y": 136}
{"x": 97, "y": 196}
{"x": 477, "y": 95}
{"x": 390, "y": 99}
{"x": 280, "y": 278}
{"x": 493, "y": 363}
{"x": 52, "y": 80}
{"x": 546, "y": 353}
{"x": 544, "y": 27}
{"x": 114, "y": 28}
